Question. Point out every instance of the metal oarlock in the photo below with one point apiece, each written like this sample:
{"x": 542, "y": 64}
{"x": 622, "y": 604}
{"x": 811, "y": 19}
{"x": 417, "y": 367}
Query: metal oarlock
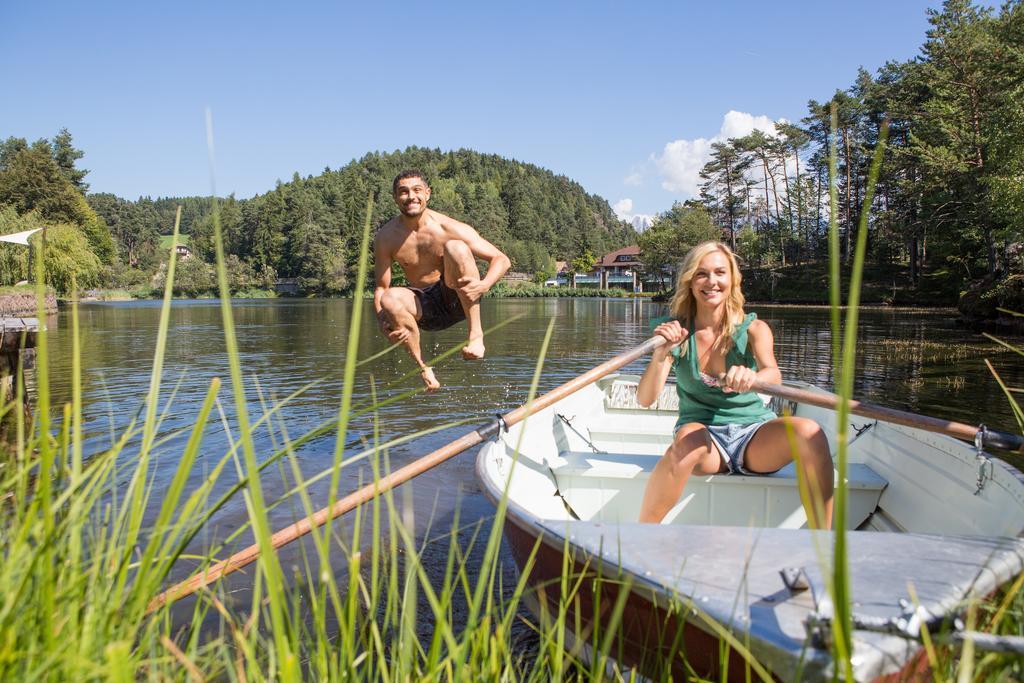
{"x": 494, "y": 428}
{"x": 985, "y": 471}
{"x": 993, "y": 438}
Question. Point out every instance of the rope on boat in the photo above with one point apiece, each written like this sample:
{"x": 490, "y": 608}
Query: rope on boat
{"x": 990, "y": 642}
{"x": 947, "y": 629}
{"x": 568, "y": 423}
{"x": 958, "y": 636}
{"x": 559, "y": 494}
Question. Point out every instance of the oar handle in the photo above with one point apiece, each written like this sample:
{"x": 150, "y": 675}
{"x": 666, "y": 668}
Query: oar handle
{"x": 981, "y": 436}
{"x": 400, "y": 476}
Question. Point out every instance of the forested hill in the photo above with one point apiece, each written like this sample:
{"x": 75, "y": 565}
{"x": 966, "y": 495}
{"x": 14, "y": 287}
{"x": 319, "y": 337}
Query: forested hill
{"x": 309, "y": 228}
{"x": 137, "y": 225}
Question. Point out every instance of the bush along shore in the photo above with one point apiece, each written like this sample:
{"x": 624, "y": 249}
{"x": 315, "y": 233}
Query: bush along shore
{"x": 801, "y": 283}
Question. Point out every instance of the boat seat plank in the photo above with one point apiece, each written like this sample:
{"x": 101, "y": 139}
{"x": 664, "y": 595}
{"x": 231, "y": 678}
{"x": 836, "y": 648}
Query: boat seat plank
{"x": 610, "y": 486}
{"x": 627, "y": 465}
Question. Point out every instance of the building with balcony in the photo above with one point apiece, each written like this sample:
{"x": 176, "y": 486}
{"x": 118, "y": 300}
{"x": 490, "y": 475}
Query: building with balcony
{"x": 620, "y": 268}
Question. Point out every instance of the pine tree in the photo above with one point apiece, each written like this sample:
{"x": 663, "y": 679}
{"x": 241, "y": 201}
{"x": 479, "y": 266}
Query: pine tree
{"x": 65, "y": 154}
{"x": 724, "y": 178}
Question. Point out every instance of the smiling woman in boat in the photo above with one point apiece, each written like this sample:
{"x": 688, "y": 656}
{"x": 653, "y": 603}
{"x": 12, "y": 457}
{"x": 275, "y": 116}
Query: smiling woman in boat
{"x": 717, "y": 352}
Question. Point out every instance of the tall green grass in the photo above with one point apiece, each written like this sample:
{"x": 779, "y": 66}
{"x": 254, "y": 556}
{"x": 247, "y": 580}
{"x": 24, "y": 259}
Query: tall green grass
{"x": 845, "y": 359}
{"x": 88, "y": 542}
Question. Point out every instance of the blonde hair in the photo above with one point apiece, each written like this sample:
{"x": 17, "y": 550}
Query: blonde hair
{"x": 684, "y": 306}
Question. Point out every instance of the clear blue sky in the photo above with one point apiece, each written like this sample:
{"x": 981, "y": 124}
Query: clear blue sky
{"x": 591, "y": 90}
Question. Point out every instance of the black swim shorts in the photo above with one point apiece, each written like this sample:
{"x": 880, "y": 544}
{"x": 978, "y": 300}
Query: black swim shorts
{"x": 440, "y": 305}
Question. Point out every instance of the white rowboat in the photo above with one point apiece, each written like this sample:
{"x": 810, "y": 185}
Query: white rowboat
{"x": 733, "y": 566}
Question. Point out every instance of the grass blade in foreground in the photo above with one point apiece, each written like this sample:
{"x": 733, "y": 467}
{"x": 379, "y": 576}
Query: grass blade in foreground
{"x": 839, "y": 586}
{"x": 269, "y": 566}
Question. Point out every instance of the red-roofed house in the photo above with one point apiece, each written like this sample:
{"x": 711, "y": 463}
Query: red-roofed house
{"x": 620, "y": 268}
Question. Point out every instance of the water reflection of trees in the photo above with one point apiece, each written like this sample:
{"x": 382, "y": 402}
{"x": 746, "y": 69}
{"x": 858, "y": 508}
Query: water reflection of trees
{"x": 288, "y": 343}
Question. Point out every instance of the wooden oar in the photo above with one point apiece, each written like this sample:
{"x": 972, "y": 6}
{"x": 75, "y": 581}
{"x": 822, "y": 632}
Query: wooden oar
{"x": 417, "y": 467}
{"x": 980, "y": 436}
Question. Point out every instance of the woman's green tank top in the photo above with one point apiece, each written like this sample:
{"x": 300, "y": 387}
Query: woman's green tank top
{"x": 709, "y": 405}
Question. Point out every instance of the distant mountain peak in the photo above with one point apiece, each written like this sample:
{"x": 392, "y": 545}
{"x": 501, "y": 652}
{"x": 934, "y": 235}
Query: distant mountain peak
{"x": 641, "y": 222}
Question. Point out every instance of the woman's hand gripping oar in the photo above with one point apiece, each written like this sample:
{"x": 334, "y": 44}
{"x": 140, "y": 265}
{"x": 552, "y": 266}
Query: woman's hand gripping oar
{"x": 402, "y": 475}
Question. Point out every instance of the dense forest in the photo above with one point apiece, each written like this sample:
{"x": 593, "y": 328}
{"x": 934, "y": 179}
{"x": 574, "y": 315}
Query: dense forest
{"x": 948, "y": 214}
{"x": 307, "y": 229}
{"x": 949, "y": 201}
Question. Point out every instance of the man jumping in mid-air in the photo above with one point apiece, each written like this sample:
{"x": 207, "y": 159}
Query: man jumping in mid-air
{"x": 438, "y": 255}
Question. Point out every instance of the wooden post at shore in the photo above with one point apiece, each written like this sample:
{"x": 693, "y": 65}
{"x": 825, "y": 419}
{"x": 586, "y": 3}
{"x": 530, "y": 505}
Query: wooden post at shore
{"x": 17, "y": 347}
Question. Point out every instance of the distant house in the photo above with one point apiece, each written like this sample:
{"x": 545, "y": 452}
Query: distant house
{"x": 620, "y": 262}
{"x": 513, "y": 276}
{"x": 561, "y": 275}
{"x": 181, "y": 248}
{"x": 620, "y": 268}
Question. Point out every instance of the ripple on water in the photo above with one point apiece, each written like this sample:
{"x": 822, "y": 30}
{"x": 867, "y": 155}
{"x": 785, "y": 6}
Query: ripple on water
{"x": 921, "y": 362}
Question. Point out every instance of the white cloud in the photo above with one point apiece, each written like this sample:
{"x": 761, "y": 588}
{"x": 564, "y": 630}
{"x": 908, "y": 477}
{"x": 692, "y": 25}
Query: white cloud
{"x": 737, "y": 124}
{"x": 681, "y": 161}
{"x": 640, "y": 221}
{"x": 633, "y": 179}
{"x": 622, "y": 208}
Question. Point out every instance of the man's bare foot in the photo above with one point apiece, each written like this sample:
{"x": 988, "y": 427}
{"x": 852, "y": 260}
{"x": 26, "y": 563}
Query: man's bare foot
{"x": 427, "y": 375}
{"x": 474, "y": 349}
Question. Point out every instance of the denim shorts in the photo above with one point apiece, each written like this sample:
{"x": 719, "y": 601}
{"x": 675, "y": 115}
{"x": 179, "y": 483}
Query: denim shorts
{"x": 732, "y": 441}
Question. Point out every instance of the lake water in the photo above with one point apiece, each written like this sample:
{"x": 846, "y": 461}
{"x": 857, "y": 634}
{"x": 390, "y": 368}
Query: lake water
{"x": 917, "y": 361}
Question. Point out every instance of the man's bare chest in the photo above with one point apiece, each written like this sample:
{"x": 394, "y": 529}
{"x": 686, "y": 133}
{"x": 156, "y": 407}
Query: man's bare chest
{"x": 421, "y": 249}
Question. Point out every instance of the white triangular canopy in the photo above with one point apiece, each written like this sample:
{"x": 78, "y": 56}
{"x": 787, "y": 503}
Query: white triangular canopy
{"x": 19, "y": 237}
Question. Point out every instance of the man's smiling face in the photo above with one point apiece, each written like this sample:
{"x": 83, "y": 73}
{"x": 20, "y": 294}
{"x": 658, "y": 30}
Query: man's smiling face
{"x": 412, "y": 195}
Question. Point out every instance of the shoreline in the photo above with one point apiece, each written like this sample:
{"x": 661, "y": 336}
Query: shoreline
{"x": 905, "y": 308}
{"x": 908, "y": 308}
